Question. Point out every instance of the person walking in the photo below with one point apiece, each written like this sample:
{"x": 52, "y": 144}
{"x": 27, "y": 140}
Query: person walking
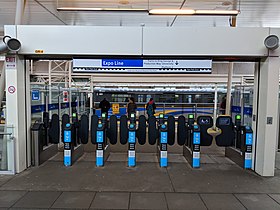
{"x": 131, "y": 106}
{"x": 104, "y": 105}
{"x": 151, "y": 107}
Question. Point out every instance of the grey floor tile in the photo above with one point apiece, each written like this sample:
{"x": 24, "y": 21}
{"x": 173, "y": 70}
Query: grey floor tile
{"x": 176, "y": 158}
{"x": 110, "y": 200}
{"x": 9, "y": 198}
{"x": 37, "y": 200}
{"x": 117, "y": 157}
{"x": 220, "y": 178}
{"x": 221, "y": 202}
{"x": 258, "y": 201}
{"x": 275, "y": 197}
{"x": 5, "y": 178}
{"x": 183, "y": 200}
{"x": 205, "y": 159}
{"x": 114, "y": 176}
{"x": 221, "y": 159}
{"x": 74, "y": 200}
{"x": 147, "y": 201}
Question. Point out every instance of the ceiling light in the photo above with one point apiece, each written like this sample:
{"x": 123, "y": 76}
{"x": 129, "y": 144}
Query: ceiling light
{"x": 217, "y": 12}
{"x": 171, "y": 12}
{"x": 92, "y": 9}
{"x": 192, "y": 12}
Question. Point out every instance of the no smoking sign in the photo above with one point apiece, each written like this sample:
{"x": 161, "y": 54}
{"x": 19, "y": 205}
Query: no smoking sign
{"x": 11, "y": 89}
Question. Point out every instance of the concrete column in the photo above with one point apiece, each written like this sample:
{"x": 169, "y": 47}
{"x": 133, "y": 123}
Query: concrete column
{"x": 266, "y": 115}
{"x": 229, "y": 85}
{"x": 16, "y": 107}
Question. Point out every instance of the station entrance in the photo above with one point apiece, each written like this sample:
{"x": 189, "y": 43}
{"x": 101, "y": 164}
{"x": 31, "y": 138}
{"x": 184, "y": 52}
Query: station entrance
{"x": 67, "y": 113}
{"x": 188, "y": 123}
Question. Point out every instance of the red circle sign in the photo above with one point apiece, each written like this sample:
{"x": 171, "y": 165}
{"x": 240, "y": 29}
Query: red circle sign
{"x": 11, "y": 89}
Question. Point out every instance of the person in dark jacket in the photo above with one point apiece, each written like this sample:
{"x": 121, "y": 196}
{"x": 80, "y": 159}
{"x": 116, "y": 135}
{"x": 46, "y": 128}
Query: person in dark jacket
{"x": 151, "y": 107}
{"x": 104, "y": 105}
{"x": 131, "y": 107}
{"x": 223, "y": 105}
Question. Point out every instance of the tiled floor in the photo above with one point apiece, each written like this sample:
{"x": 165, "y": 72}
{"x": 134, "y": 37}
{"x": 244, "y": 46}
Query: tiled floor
{"x": 139, "y": 200}
{"x": 218, "y": 184}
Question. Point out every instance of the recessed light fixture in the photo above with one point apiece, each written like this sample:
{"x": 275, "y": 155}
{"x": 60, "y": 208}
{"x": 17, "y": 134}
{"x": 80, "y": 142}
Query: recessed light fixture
{"x": 96, "y": 9}
{"x": 193, "y": 12}
{"x": 154, "y": 11}
{"x": 171, "y": 12}
{"x": 217, "y": 12}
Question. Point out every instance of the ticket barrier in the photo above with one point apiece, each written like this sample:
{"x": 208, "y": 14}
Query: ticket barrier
{"x": 100, "y": 131}
{"x": 162, "y": 131}
{"x": 45, "y": 137}
{"x": 240, "y": 151}
{"x": 74, "y": 135}
{"x": 129, "y": 132}
{"x": 189, "y": 136}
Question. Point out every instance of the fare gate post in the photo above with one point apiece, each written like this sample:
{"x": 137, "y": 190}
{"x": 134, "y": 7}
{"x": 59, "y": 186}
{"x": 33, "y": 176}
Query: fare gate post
{"x": 163, "y": 142}
{"x": 132, "y": 141}
{"x": 67, "y": 145}
{"x": 248, "y": 147}
{"x": 196, "y": 147}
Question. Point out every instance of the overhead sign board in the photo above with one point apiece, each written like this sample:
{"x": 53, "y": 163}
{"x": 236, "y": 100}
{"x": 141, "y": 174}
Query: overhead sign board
{"x": 141, "y": 66}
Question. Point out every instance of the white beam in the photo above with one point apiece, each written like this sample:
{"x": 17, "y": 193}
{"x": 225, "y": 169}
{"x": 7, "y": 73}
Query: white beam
{"x": 19, "y": 12}
{"x": 229, "y": 85}
{"x": 267, "y": 116}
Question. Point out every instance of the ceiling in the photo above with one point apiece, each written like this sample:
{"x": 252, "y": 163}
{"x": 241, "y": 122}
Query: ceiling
{"x": 254, "y": 13}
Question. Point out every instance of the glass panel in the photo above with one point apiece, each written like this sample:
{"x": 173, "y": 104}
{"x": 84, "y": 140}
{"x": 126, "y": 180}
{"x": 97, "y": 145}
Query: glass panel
{"x": 6, "y": 138}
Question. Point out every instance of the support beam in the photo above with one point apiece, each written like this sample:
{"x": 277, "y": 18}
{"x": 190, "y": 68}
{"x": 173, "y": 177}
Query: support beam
{"x": 20, "y": 11}
{"x": 266, "y": 115}
{"x": 229, "y": 85}
{"x": 215, "y": 105}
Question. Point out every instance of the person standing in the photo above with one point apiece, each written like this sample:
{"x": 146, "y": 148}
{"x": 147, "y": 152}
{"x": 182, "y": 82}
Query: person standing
{"x": 104, "y": 105}
{"x": 131, "y": 106}
{"x": 223, "y": 105}
{"x": 151, "y": 107}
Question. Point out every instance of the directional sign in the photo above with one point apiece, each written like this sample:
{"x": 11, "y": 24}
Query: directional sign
{"x": 141, "y": 66}
{"x": 35, "y": 95}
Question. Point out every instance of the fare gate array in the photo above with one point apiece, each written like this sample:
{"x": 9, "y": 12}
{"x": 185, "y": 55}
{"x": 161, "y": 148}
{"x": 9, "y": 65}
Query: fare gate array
{"x": 191, "y": 135}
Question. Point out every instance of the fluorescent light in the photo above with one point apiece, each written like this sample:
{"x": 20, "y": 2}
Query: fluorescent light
{"x": 191, "y": 12}
{"x": 92, "y": 9}
{"x": 217, "y": 12}
{"x": 153, "y": 11}
{"x": 171, "y": 12}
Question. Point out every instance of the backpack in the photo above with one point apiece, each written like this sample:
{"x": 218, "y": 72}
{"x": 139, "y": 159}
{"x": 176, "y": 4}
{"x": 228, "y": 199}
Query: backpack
{"x": 150, "y": 109}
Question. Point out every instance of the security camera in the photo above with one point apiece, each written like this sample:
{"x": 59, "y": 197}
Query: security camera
{"x": 271, "y": 42}
{"x": 9, "y": 45}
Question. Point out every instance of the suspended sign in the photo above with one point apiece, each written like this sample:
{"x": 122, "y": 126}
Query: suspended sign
{"x": 141, "y": 66}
